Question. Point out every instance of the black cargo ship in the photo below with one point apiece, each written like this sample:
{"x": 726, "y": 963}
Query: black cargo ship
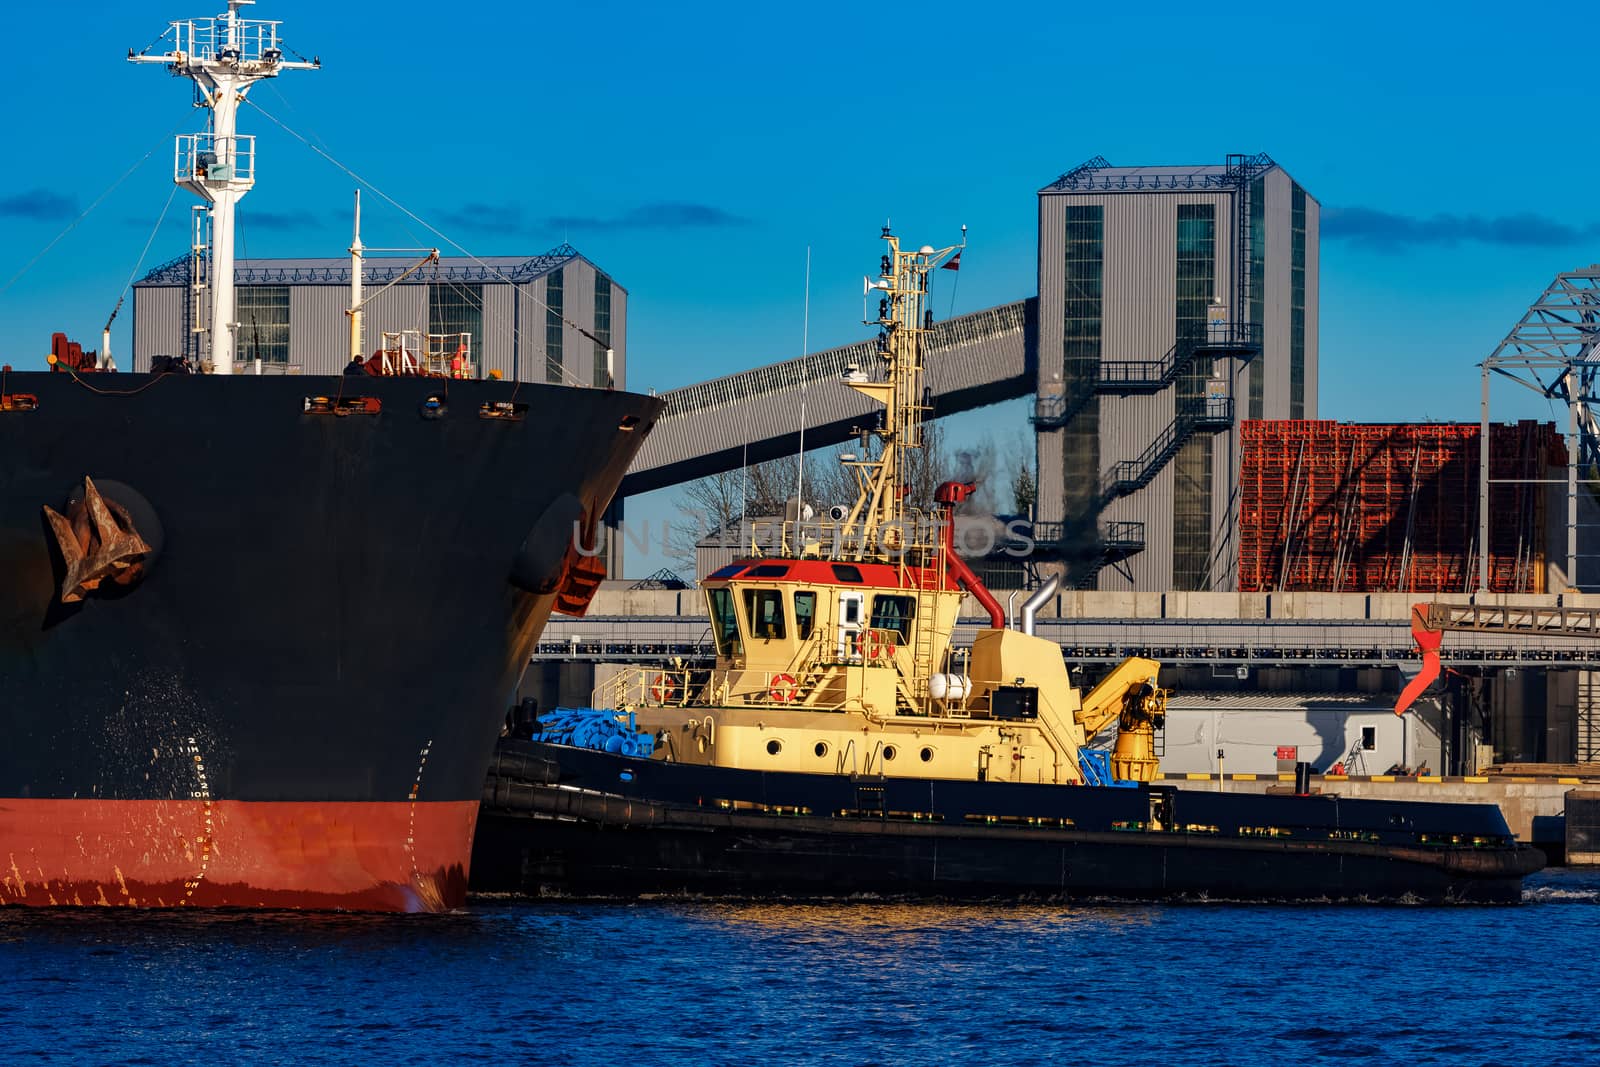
{"x": 257, "y": 633}
{"x": 287, "y": 697}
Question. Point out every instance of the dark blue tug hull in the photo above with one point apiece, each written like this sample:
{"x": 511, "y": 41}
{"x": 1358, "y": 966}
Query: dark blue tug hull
{"x": 565, "y": 820}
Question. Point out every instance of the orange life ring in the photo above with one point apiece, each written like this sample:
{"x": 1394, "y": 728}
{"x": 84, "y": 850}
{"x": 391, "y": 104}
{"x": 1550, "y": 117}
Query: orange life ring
{"x": 784, "y": 688}
{"x": 871, "y": 644}
{"x": 663, "y": 690}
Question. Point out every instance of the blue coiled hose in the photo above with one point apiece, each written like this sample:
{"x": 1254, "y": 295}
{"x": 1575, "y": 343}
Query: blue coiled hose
{"x": 597, "y": 728}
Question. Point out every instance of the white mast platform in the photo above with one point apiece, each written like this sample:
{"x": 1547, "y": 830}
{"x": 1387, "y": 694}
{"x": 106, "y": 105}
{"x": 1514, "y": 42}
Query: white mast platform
{"x": 224, "y": 56}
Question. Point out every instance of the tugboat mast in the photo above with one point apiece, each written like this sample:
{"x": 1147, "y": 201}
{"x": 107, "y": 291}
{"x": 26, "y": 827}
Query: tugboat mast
{"x": 224, "y": 56}
{"x": 902, "y": 286}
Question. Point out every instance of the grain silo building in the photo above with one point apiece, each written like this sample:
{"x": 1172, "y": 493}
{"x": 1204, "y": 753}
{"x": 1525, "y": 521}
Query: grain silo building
{"x": 544, "y": 318}
{"x": 1174, "y": 302}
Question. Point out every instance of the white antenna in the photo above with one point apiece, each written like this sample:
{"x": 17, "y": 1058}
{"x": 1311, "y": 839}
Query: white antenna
{"x": 224, "y": 56}
{"x": 805, "y": 343}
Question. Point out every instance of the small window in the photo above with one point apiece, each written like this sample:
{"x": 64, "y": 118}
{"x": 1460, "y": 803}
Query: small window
{"x": 726, "y": 572}
{"x": 889, "y": 752}
{"x": 764, "y": 607}
{"x": 805, "y": 613}
{"x": 774, "y": 747}
{"x": 768, "y": 570}
{"x": 724, "y": 623}
{"x": 1369, "y": 738}
{"x": 820, "y": 748}
{"x": 926, "y": 754}
{"x": 846, "y": 572}
{"x": 894, "y": 613}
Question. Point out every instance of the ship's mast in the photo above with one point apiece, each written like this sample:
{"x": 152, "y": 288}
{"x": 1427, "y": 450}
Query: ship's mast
{"x": 224, "y": 56}
{"x": 355, "y": 284}
{"x": 901, "y": 290}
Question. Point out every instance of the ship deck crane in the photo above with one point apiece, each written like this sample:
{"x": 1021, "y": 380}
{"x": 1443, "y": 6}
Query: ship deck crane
{"x": 1128, "y": 697}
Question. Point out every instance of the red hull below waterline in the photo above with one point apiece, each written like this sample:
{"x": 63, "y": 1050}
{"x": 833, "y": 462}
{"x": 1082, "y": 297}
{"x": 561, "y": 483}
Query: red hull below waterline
{"x": 391, "y": 857}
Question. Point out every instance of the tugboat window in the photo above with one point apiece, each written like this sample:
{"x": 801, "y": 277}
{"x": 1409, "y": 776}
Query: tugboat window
{"x": 765, "y": 609}
{"x": 724, "y": 624}
{"x": 805, "y": 613}
{"x": 894, "y": 613}
{"x": 847, "y": 573}
{"x": 1369, "y": 738}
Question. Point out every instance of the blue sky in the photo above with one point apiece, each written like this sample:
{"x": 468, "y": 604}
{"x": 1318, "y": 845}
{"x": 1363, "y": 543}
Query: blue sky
{"x": 696, "y": 153}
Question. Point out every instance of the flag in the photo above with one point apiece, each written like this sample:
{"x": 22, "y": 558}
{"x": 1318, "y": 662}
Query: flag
{"x": 954, "y": 264}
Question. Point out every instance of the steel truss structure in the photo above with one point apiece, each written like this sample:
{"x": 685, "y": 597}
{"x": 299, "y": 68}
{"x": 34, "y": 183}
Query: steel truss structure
{"x": 1555, "y": 351}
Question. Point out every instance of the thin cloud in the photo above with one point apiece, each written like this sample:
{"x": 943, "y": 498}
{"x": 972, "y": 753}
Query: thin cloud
{"x": 670, "y": 215}
{"x": 40, "y": 205}
{"x": 663, "y": 216}
{"x": 1382, "y": 229}
{"x": 497, "y": 218}
{"x": 282, "y": 220}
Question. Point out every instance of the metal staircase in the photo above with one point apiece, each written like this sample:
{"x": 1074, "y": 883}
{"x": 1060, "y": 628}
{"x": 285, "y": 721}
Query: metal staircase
{"x": 1240, "y": 340}
{"x": 1131, "y": 475}
{"x": 1086, "y": 550}
{"x": 1056, "y": 409}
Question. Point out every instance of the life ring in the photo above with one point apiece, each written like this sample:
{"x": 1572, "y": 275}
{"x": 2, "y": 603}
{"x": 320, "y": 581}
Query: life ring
{"x": 784, "y": 688}
{"x": 663, "y": 690}
{"x": 870, "y": 644}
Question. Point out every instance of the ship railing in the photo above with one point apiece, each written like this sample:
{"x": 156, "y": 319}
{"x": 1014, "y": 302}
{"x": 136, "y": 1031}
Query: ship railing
{"x": 266, "y": 367}
{"x": 449, "y": 355}
{"x": 873, "y": 646}
{"x": 202, "y": 159}
{"x": 645, "y": 687}
{"x": 788, "y": 687}
{"x": 912, "y": 540}
{"x": 207, "y": 39}
{"x": 400, "y": 351}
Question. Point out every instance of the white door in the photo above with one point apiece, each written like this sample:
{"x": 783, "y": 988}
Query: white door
{"x": 852, "y": 618}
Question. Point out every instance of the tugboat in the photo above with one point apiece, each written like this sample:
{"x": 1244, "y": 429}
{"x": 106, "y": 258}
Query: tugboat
{"x": 840, "y": 744}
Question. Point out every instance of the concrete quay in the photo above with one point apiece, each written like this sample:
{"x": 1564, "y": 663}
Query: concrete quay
{"x": 1092, "y": 626}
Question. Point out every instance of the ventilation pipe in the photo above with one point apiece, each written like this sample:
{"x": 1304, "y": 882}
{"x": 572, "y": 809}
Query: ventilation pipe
{"x": 949, "y": 495}
{"x": 1031, "y": 606}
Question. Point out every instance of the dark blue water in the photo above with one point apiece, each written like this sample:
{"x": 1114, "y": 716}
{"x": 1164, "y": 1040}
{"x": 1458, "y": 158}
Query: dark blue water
{"x": 859, "y": 983}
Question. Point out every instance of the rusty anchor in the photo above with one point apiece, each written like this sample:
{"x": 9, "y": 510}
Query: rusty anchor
{"x": 98, "y": 541}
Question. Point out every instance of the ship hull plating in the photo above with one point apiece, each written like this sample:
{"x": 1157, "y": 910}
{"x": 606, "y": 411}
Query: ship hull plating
{"x": 560, "y": 820}
{"x": 335, "y": 611}
{"x": 236, "y": 854}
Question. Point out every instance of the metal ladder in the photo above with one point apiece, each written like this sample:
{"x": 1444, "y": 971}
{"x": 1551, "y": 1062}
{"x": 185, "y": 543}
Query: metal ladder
{"x": 197, "y": 310}
{"x": 923, "y": 622}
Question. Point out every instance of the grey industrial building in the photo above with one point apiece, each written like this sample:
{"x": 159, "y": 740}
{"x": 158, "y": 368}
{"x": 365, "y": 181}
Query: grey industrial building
{"x": 1173, "y": 303}
{"x": 292, "y": 314}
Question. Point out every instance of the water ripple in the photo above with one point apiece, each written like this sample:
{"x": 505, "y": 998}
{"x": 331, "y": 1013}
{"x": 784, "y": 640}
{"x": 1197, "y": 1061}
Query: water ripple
{"x": 863, "y": 982}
